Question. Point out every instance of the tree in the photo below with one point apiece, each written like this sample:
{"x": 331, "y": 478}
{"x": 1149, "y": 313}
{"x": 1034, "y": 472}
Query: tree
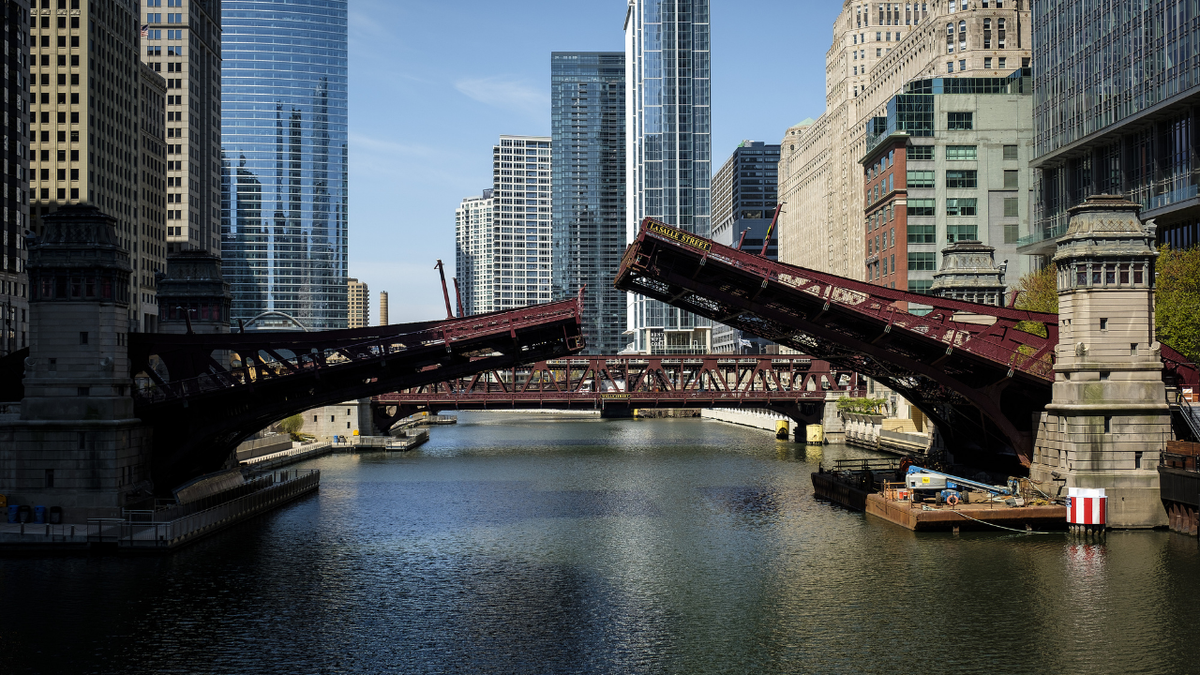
{"x": 1038, "y": 292}
{"x": 1177, "y": 301}
{"x": 292, "y": 425}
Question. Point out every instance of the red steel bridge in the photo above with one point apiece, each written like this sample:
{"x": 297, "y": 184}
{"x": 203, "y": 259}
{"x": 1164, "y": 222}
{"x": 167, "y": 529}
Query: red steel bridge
{"x": 203, "y": 394}
{"x": 791, "y": 385}
{"x": 969, "y": 367}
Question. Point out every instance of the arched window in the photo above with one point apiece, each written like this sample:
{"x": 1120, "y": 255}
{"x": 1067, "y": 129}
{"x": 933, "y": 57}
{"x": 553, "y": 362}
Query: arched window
{"x": 962, "y": 35}
{"x": 950, "y": 38}
{"x": 987, "y": 33}
{"x": 1000, "y": 33}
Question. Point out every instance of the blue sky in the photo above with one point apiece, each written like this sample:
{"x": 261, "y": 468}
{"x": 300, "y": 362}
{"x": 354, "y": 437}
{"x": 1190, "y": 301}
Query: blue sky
{"x": 434, "y": 83}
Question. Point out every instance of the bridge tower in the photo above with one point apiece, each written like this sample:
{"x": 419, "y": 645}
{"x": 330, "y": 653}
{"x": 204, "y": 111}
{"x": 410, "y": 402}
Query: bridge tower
{"x": 969, "y": 273}
{"x": 194, "y": 294}
{"x": 77, "y": 443}
{"x": 1108, "y": 420}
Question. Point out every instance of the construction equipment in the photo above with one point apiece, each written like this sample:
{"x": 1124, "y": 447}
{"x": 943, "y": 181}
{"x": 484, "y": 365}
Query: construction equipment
{"x": 946, "y": 488}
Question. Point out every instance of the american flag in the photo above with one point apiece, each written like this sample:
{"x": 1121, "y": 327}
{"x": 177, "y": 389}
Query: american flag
{"x": 145, "y": 30}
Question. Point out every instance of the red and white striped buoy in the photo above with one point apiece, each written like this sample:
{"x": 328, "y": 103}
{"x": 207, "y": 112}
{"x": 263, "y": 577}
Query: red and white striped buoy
{"x": 1087, "y": 510}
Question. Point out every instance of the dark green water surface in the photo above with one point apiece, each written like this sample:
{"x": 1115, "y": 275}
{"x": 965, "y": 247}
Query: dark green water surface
{"x": 547, "y": 544}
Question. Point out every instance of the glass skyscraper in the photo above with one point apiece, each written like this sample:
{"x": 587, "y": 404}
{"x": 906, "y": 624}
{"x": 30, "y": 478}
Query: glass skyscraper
{"x": 668, "y": 147}
{"x": 284, "y": 161}
{"x": 1115, "y": 88}
{"x": 587, "y": 125}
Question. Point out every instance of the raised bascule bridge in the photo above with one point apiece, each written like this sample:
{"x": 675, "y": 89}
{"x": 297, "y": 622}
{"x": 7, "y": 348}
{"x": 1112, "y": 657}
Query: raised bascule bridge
{"x": 969, "y": 367}
{"x": 203, "y": 409}
{"x": 791, "y": 385}
{"x": 204, "y": 393}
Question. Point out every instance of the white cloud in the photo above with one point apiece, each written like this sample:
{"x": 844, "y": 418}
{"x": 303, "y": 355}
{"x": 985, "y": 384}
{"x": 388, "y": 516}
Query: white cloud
{"x": 508, "y": 93}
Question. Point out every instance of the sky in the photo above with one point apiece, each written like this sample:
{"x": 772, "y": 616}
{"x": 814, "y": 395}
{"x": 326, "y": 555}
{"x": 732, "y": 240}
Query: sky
{"x": 433, "y": 85}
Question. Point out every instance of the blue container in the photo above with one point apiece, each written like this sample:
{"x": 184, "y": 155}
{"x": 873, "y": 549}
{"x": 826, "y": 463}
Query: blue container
{"x": 12, "y": 513}
{"x": 39, "y": 515}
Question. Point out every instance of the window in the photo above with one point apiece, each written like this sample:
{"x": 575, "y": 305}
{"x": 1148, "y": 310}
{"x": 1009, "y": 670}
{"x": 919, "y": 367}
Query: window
{"x": 1010, "y": 207}
{"x": 921, "y": 261}
{"x": 960, "y": 121}
{"x": 961, "y": 233}
{"x": 960, "y": 152}
{"x": 922, "y": 234}
{"x": 920, "y": 179}
{"x": 962, "y": 64}
{"x": 1011, "y": 233}
{"x": 919, "y": 285}
{"x": 921, "y": 207}
{"x": 1000, "y": 37}
{"x": 950, "y": 38}
{"x": 962, "y": 178}
{"x": 1010, "y": 152}
{"x": 1000, "y": 63}
{"x": 920, "y": 152}
{"x": 1010, "y": 180}
{"x": 949, "y": 66}
{"x": 987, "y": 62}
{"x": 960, "y": 207}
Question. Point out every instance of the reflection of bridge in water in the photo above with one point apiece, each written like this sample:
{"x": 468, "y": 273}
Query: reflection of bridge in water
{"x": 795, "y": 386}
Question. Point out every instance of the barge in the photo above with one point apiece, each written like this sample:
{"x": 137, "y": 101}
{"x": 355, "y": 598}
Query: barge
{"x": 877, "y": 487}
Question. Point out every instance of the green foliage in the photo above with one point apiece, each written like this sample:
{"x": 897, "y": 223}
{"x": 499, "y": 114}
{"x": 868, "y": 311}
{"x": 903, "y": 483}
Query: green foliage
{"x": 1038, "y": 292}
{"x": 863, "y": 406}
{"x": 292, "y": 425}
{"x": 1177, "y": 301}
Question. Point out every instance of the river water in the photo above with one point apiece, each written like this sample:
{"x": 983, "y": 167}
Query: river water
{"x": 555, "y": 544}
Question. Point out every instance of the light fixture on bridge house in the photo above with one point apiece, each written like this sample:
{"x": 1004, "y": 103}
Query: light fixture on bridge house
{"x": 77, "y": 443}
{"x": 1108, "y": 421}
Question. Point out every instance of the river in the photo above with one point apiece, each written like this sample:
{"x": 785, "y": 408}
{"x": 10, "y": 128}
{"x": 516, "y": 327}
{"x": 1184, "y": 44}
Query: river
{"x": 565, "y": 544}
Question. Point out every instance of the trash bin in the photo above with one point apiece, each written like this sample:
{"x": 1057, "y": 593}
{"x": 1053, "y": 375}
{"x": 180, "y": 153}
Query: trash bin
{"x": 56, "y": 515}
{"x": 23, "y": 513}
{"x": 12, "y": 513}
{"x": 39, "y": 515}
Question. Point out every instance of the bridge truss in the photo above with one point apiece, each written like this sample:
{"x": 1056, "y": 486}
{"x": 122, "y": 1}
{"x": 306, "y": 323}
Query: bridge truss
{"x": 792, "y": 385}
{"x": 204, "y": 394}
{"x": 969, "y": 367}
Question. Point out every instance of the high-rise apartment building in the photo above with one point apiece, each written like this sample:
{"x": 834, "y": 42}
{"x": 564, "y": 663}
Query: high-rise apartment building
{"x": 383, "y": 308}
{"x": 877, "y": 49}
{"x": 86, "y": 89}
{"x": 473, "y": 252}
{"x": 14, "y": 279}
{"x": 151, "y": 214}
{"x": 587, "y": 125}
{"x": 744, "y": 199}
{"x": 358, "y": 304}
{"x": 668, "y": 150}
{"x": 1114, "y": 89}
{"x": 947, "y": 164}
{"x": 520, "y": 249}
{"x": 181, "y": 40}
{"x": 284, "y": 198}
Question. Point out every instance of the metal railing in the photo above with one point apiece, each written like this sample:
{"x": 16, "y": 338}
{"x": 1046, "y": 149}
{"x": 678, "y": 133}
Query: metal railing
{"x": 1191, "y": 416}
{"x": 154, "y": 533}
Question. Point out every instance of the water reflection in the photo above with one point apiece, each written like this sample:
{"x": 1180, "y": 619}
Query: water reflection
{"x": 553, "y": 545}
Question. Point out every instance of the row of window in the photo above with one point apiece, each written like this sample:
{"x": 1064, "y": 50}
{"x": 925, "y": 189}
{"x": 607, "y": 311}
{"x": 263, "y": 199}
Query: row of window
{"x": 958, "y": 207}
{"x": 156, "y": 17}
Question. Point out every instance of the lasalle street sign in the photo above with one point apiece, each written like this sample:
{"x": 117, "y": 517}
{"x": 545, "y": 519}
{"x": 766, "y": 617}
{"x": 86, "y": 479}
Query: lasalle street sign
{"x": 676, "y": 234}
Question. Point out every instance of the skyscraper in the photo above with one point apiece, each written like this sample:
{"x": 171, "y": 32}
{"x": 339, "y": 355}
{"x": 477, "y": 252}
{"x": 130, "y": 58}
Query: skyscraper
{"x": 183, "y": 44}
{"x": 1114, "y": 96}
{"x": 87, "y": 92}
{"x": 14, "y": 279}
{"x": 473, "y": 252}
{"x": 744, "y": 199}
{"x": 668, "y": 149}
{"x": 358, "y": 300}
{"x": 587, "y": 125}
{"x": 284, "y": 169}
{"x": 520, "y": 247}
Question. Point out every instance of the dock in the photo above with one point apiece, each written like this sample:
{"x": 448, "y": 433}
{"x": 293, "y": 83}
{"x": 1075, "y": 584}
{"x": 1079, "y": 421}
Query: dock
{"x": 866, "y": 485}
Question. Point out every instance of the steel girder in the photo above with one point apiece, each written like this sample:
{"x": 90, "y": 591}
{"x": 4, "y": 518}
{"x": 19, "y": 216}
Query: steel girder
{"x": 199, "y": 419}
